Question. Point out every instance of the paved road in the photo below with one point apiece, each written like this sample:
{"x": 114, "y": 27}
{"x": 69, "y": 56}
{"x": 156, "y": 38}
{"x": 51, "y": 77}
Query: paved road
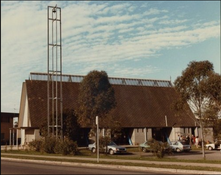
{"x": 13, "y": 167}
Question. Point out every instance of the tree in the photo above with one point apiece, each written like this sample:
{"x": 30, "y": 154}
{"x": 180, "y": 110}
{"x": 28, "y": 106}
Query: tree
{"x": 200, "y": 87}
{"x": 70, "y": 125}
{"x": 212, "y": 87}
{"x": 96, "y": 98}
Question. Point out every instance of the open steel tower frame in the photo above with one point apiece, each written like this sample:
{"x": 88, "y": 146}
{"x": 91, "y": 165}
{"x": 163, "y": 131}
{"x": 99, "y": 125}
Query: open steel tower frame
{"x": 54, "y": 72}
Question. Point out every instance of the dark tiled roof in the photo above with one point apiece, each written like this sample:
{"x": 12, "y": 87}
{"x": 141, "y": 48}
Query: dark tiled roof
{"x": 137, "y": 106}
{"x": 142, "y": 106}
{"x": 9, "y": 114}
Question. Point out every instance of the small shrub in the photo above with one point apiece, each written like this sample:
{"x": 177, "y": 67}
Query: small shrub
{"x": 49, "y": 144}
{"x": 36, "y": 145}
{"x": 52, "y": 145}
{"x": 70, "y": 147}
{"x": 103, "y": 143}
{"x": 159, "y": 148}
{"x": 66, "y": 147}
{"x": 58, "y": 147}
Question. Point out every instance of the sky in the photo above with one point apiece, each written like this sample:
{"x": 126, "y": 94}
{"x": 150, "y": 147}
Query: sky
{"x": 130, "y": 39}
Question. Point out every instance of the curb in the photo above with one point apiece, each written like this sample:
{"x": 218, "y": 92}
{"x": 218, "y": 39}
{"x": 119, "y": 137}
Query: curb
{"x": 113, "y": 166}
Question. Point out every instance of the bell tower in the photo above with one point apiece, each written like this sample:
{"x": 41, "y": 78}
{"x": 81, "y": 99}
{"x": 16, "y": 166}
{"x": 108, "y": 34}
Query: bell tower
{"x": 54, "y": 72}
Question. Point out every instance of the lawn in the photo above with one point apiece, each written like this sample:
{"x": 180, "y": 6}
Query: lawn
{"x": 85, "y": 153}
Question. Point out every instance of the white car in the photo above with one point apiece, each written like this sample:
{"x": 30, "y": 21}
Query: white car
{"x": 112, "y": 148}
{"x": 180, "y": 146}
{"x": 215, "y": 145}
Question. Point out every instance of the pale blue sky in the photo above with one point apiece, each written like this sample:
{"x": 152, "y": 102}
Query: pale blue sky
{"x": 145, "y": 39}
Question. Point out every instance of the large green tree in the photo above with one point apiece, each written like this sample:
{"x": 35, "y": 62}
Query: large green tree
{"x": 71, "y": 127}
{"x": 200, "y": 87}
{"x": 96, "y": 98}
{"x": 212, "y": 87}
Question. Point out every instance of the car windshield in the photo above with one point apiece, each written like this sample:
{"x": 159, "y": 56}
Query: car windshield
{"x": 145, "y": 143}
{"x": 112, "y": 143}
{"x": 183, "y": 143}
{"x": 174, "y": 143}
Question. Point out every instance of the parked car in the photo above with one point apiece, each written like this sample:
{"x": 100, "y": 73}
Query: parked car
{"x": 112, "y": 148}
{"x": 215, "y": 145}
{"x": 179, "y": 146}
{"x": 145, "y": 147}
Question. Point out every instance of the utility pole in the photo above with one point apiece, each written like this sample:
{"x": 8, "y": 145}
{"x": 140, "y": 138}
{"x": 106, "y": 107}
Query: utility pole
{"x": 97, "y": 138}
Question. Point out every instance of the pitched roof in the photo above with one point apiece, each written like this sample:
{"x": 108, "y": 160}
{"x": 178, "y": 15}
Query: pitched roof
{"x": 9, "y": 114}
{"x": 142, "y": 106}
{"x": 137, "y": 106}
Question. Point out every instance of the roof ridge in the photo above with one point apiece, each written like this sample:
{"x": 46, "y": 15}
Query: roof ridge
{"x": 113, "y": 80}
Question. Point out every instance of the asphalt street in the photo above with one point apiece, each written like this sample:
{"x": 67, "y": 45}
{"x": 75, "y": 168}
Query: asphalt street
{"x": 19, "y": 167}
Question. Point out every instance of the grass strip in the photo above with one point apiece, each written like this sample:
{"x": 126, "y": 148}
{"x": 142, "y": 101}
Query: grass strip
{"x": 88, "y": 154}
{"x": 183, "y": 167}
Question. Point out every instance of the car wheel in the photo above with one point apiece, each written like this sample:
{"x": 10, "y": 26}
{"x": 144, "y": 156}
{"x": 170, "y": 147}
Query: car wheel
{"x": 178, "y": 150}
{"x": 210, "y": 148}
{"x": 93, "y": 150}
{"x": 111, "y": 151}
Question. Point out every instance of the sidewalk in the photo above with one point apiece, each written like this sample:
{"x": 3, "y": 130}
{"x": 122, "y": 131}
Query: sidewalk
{"x": 63, "y": 162}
